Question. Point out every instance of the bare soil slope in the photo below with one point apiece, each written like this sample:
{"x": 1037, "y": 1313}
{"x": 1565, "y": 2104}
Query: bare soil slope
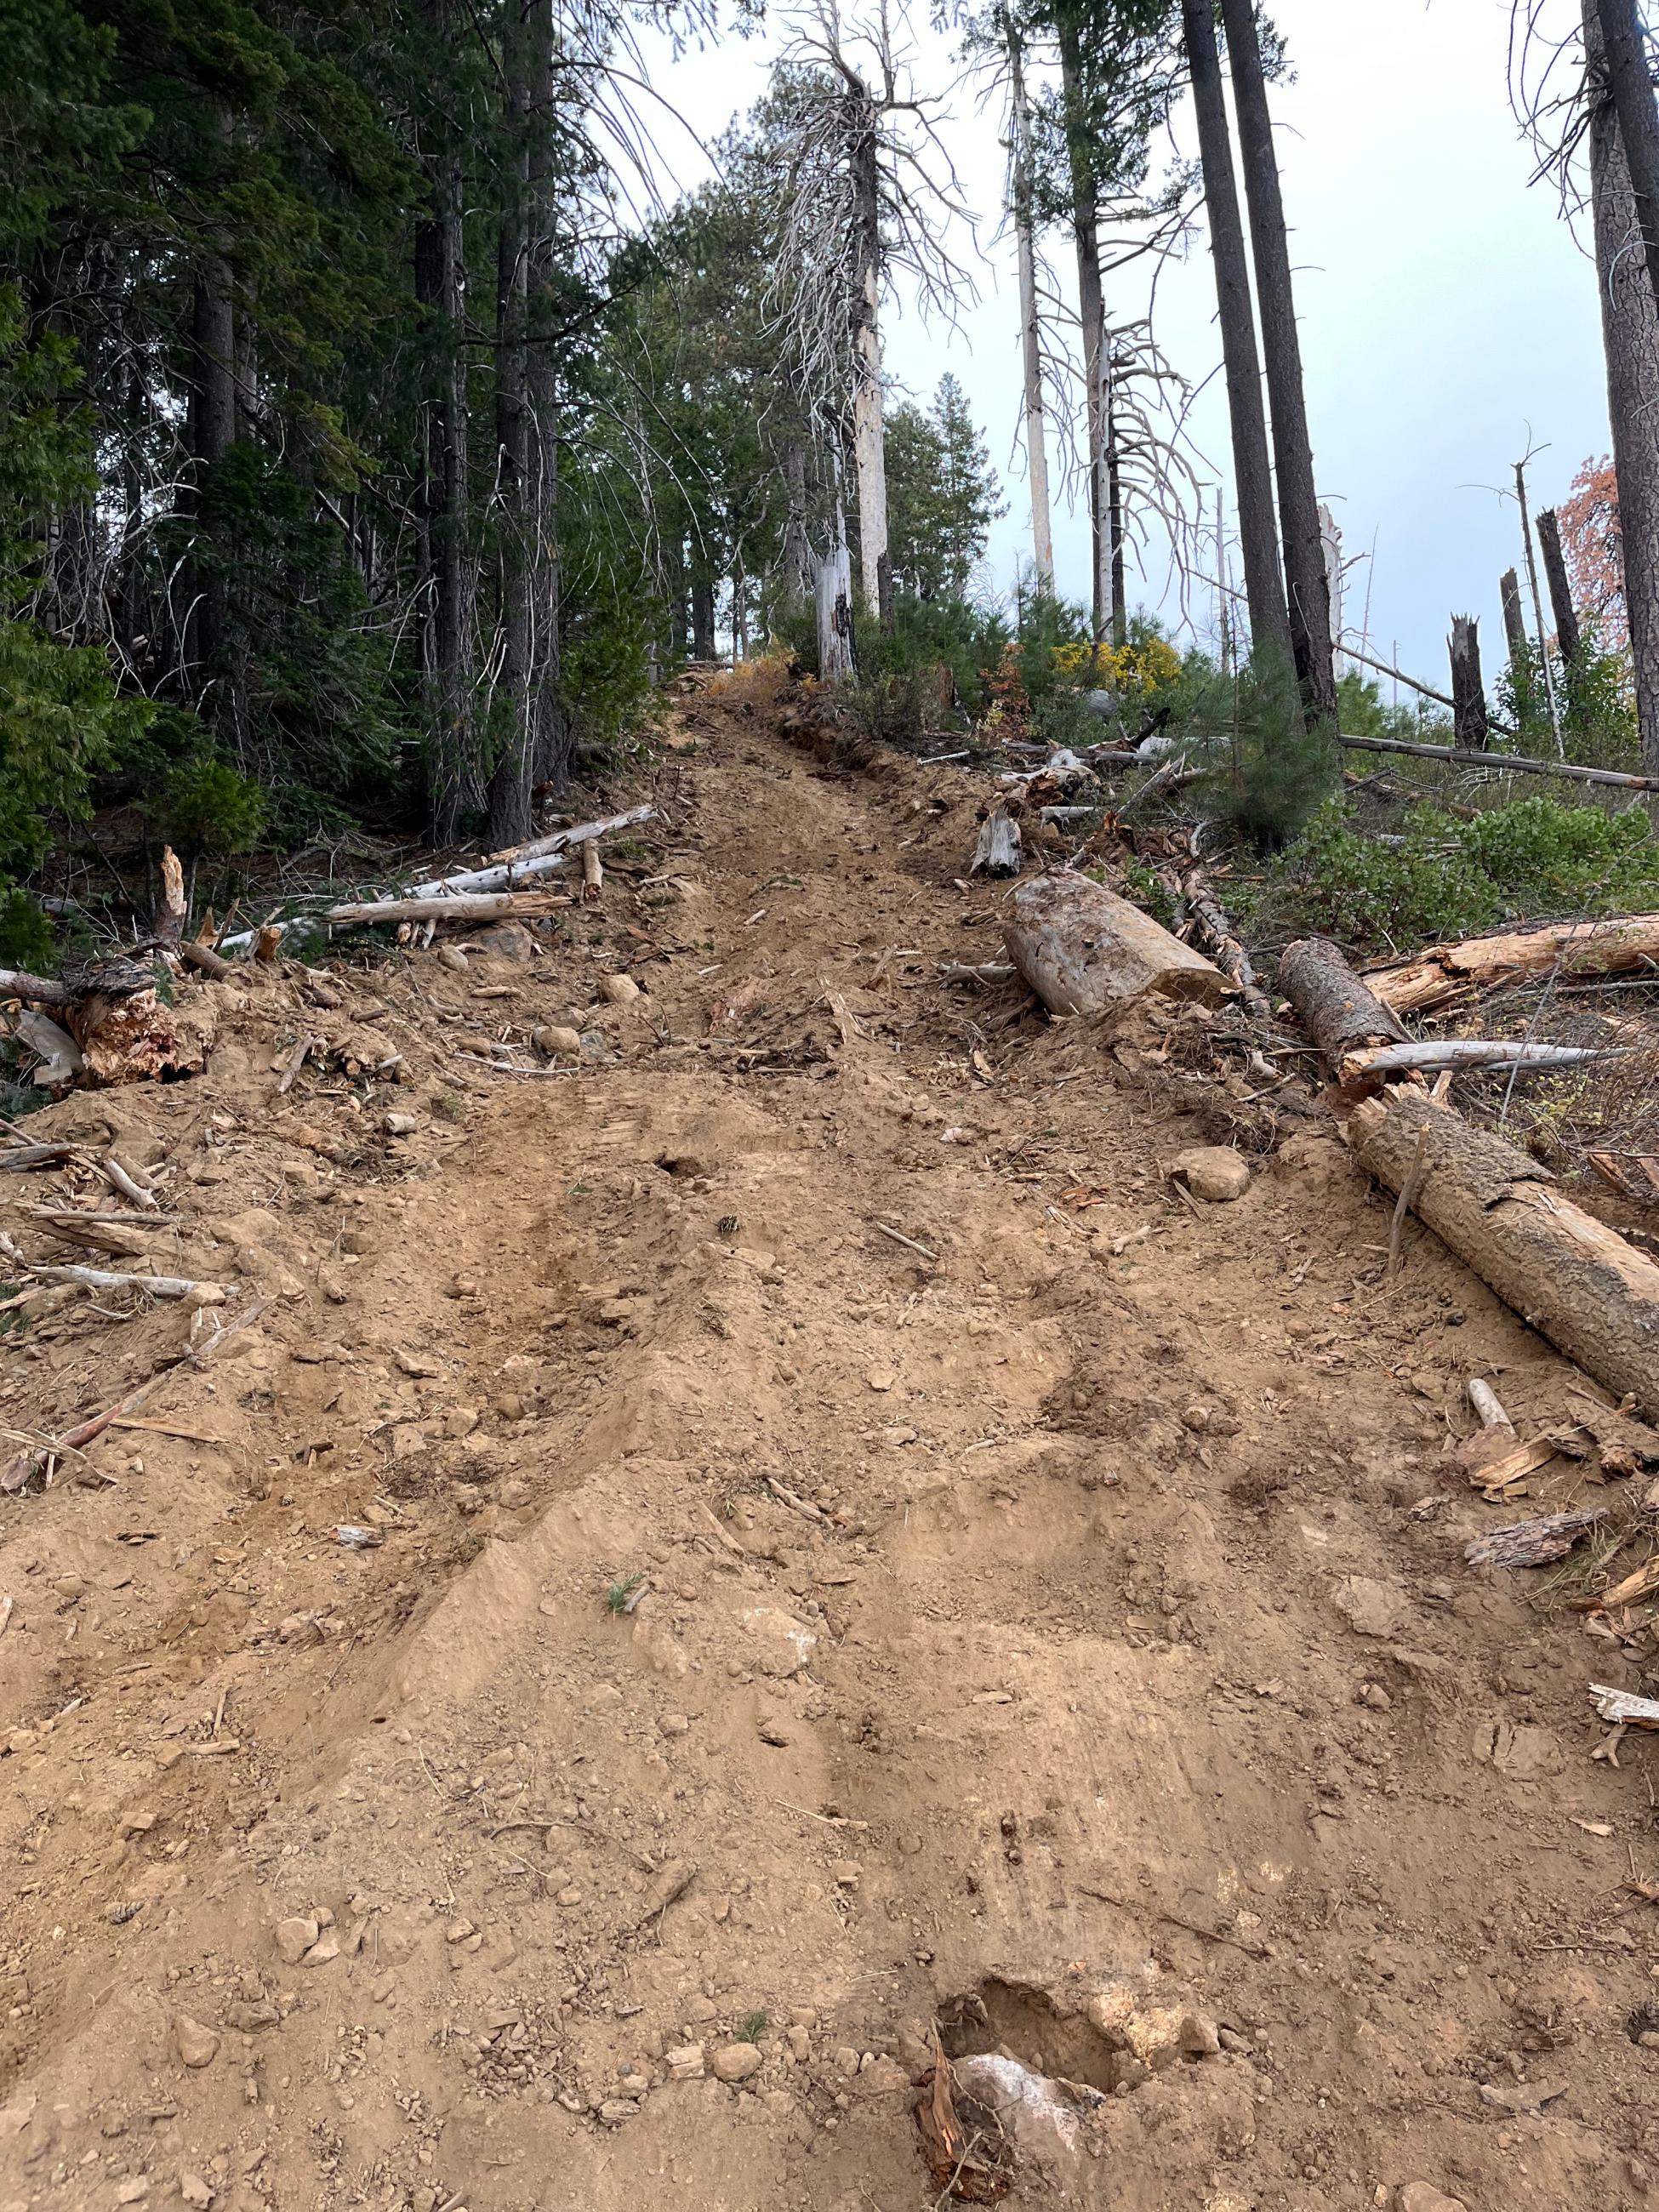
{"x": 1031, "y": 1632}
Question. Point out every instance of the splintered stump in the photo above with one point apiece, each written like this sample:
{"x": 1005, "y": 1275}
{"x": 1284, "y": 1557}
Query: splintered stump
{"x": 1084, "y": 950}
{"x": 1578, "y": 1283}
{"x": 998, "y": 851}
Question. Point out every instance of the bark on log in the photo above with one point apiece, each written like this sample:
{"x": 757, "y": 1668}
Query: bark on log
{"x": 1338, "y": 1012}
{"x": 41, "y": 990}
{"x": 205, "y": 961}
{"x": 1624, "y": 945}
{"x": 998, "y": 849}
{"x": 1576, "y": 1282}
{"x": 1215, "y": 933}
{"x": 1084, "y": 950}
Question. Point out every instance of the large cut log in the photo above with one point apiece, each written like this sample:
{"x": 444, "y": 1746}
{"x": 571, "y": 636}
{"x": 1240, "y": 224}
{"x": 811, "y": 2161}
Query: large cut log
{"x": 1624, "y": 945}
{"x": 1340, "y": 1014}
{"x": 1594, "y": 1297}
{"x": 1084, "y": 950}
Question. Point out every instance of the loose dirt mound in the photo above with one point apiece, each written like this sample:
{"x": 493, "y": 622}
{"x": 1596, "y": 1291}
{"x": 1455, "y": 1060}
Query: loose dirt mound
{"x": 782, "y": 1638}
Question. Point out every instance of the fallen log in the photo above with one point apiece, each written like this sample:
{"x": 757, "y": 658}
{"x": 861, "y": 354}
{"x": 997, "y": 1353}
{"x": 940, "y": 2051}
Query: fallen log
{"x": 1438, "y": 1054}
{"x": 59, "y": 1054}
{"x": 1575, "y": 1281}
{"x": 1340, "y": 1014}
{"x": 475, "y": 905}
{"x": 1084, "y": 950}
{"x": 158, "y": 1286}
{"x": 559, "y": 841}
{"x": 40, "y": 990}
{"x": 1506, "y": 763}
{"x": 1215, "y": 933}
{"x": 1622, "y": 946}
{"x": 998, "y": 851}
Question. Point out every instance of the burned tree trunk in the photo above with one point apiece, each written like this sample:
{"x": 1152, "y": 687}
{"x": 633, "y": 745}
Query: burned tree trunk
{"x": 1264, "y": 582}
{"x": 1469, "y": 722}
{"x": 1567, "y": 638}
{"x": 1630, "y": 330}
{"x": 1625, "y": 59}
{"x": 445, "y": 596}
{"x": 833, "y": 596}
{"x": 1515, "y": 622}
{"x": 797, "y": 551}
{"x": 1307, "y": 591}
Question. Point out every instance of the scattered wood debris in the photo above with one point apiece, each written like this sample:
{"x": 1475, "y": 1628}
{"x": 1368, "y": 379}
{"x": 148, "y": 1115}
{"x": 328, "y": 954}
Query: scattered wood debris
{"x": 1531, "y": 1543}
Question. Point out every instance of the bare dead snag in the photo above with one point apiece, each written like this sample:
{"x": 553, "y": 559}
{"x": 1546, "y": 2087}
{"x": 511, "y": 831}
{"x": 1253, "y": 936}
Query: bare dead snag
{"x": 168, "y": 925}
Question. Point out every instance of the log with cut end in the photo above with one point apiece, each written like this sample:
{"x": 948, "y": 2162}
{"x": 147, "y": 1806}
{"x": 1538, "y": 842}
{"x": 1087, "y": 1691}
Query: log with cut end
{"x": 1576, "y": 1282}
{"x": 1441, "y": 973}
{"x": 1084, "y": 950}
{"x": 1338, "y": 1011}
{"x": 998, "y": 851}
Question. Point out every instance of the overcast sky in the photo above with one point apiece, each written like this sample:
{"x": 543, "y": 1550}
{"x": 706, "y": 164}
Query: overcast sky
{"x": 1448, "y": 315}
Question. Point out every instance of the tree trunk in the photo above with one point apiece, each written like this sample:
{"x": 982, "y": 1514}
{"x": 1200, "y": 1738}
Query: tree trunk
{"x": 453, "y": 782}
{"x": 1544, "y": 665}
{"x": 510, "y": 813}
{"x": 834, "y": 594}
{"x": 797, "y": 551}
{"x": 1091, "y": 304}
{"x": 1330, "y": 538}
{"x": 550, "y": 732}
{"x": 702, "y": 618}
{"x": 1625, "y": 59}
{"x": 869, "y": 432}
{"x": 1515, "y": 622}
{"x": 210, "y": 429}
{"x": 1568, "y": 641}
{"x": 1037, "y": 444}
{"x": 1307, "y": 591}
{"x": 1264, "y": 584}
{"x": 1630, "y": 330}
{"x": 1469, "y": 722}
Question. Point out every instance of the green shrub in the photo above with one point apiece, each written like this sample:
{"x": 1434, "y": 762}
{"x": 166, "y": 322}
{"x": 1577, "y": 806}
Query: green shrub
{"x": 206, "y": 810}
{"x": 1441, "y": 877}
{"x": 1265, "y": 774}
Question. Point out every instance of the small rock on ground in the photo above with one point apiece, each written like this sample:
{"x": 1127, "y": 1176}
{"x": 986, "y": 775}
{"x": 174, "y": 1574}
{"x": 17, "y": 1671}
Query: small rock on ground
{"x": 1214, "y": 1172}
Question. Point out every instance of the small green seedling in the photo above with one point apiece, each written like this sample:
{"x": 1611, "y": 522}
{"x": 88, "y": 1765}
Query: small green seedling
{"x": 751, "y": 2027}
{"x": 617, "y": 1597}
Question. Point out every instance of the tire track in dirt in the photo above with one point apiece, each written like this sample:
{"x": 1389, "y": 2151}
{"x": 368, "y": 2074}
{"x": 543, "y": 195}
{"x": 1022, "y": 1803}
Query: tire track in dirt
{"x": 1002, "y": 1622}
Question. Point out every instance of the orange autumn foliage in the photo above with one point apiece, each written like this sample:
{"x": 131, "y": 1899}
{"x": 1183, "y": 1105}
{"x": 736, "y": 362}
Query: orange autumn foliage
{"x": 1593, "y": 548}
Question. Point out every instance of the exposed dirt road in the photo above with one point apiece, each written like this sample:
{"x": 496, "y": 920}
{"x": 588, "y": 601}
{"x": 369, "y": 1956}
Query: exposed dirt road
{"x": 1035, "y": 1637}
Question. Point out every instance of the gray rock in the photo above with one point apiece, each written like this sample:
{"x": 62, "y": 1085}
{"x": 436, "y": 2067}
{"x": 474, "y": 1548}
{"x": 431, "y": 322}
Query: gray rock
{"x": 1214, "y": 1172}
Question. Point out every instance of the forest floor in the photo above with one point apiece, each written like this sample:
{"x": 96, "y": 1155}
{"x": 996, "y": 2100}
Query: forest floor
{"x": 1060, "y": 1632}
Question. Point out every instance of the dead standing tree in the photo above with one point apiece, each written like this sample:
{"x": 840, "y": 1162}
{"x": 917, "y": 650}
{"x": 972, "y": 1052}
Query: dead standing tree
{"x": 1258, "y": 533}
{"x": 1022, "y": 204}
{"x": 1563, "y": 89}
{"x": 864, "y": 192}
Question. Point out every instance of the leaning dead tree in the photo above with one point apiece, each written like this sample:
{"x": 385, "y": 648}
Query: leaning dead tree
{"x": 863, "y": 195}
